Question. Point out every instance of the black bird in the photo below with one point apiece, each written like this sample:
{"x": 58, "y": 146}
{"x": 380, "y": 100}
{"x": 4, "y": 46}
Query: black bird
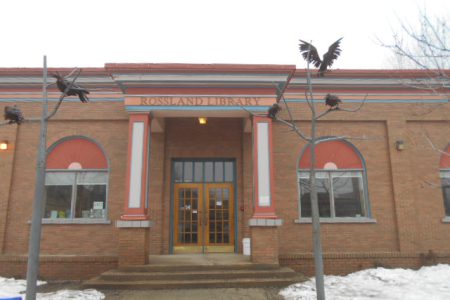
{"x": 314, "y": 58}
{"x": 273, "y": 111}
{"x": 75, "y": 90}
{"x": 13, "y": 115}
{"x": 332, "y": 101}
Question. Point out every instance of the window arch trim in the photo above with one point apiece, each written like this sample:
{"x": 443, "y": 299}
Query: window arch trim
{"x": 444, "y": 162}
{"x": 363, "y": 170}
{"x": 85, "y": 180}
{"x": 444, "y": 174}
{"x": 55, "y": 145}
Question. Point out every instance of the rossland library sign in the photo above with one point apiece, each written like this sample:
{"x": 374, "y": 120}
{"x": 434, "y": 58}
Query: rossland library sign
{"x": 199, "y": 101}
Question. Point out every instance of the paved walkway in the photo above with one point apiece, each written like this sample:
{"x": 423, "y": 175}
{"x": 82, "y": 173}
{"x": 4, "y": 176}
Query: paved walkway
{"x": 190, "y": 294}
{"x": 199, "y": 259}
{"x": 197, "y": 294}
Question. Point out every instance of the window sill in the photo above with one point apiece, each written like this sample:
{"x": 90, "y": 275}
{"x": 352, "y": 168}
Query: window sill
{"x": 337, "y": 220}
{"x": 446, "y": 220}
{"x": 75, "y": 221}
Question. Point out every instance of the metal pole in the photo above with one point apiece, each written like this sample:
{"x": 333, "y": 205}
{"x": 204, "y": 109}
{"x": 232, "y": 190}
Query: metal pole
{"x": 39, "y": 193}
{"x": 318, "y": 260}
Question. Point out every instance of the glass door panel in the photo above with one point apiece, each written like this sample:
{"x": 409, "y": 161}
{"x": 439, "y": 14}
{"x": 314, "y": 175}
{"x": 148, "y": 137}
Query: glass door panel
{"x": 188, "y": 212}
{"x": 219, "y": 232}
{"x": 203, "y": 209}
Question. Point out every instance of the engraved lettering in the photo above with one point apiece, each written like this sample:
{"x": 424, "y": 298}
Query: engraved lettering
{"x": 190, "y": 101}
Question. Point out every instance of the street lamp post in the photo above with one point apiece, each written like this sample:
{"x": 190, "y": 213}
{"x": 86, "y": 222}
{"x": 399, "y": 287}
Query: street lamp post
{"x": 39, "y": 196}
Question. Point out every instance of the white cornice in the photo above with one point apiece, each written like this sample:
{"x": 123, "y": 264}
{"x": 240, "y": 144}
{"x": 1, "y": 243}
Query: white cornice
{"x": 198, "y": 77}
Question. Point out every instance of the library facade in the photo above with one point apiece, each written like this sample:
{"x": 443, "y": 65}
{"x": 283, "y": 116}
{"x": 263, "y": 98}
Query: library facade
{"x": 170, "y": 159}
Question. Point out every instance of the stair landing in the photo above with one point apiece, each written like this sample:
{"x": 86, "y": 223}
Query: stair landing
{"x": 196, "y": 271}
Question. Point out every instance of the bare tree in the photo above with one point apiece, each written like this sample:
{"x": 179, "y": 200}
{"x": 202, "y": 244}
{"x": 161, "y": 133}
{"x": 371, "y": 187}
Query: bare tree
{"x": 334, "y": 106}
{"x": 13, "y": 115}
{"x": 423, "y": 45}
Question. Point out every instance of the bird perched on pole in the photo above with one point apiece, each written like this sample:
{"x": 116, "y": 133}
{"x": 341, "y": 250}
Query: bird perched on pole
{"x": 273, "y": 111}
{"x": 332, "y": 101}
{"x": 13, "y": 115}
{"x": 62, "y": 83}
{"x": 328, "y": 58}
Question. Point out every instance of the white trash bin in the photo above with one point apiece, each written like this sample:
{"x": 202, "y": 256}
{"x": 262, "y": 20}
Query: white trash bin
{"x": 246, "y": 246}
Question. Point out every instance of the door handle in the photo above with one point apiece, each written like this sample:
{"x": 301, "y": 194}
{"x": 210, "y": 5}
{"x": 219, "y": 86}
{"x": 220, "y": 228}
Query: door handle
{"x": 206, "y": 219}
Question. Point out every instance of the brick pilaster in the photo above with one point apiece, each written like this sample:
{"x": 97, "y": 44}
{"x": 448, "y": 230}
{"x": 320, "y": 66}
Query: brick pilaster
{"x": 133, "y": 246}
{"x": 264, "y": 244}
{"x": 7, "y": 133}
{"x": 401, "y": 182}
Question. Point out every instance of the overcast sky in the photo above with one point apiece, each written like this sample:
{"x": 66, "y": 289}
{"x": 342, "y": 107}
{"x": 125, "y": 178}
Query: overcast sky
{"x": 90, "y": 33}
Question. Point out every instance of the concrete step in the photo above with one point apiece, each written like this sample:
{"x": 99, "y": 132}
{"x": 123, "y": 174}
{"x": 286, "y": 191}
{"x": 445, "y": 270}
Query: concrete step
{"x": 203, "y": 267}
{"x": 100, "y": 284}
{"x": 120, "y": 275}
{"x": 197, "y": 275}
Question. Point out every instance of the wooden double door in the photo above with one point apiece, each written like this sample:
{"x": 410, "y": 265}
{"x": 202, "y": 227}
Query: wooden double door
{"x": 203, "y": 217}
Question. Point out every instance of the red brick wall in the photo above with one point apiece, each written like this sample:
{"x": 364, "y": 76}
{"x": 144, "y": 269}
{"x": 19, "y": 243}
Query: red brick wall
{"x": 133, "y": 246}
{"x": 58, "y": 267}
{"x": 407, "y": 209}
{"x": 380, "y": 236}
{"x": 264, "y": 245}
{"x": 185, "y": 138}
{"x": 345, "y": 263}
{"x": 110, "y": 130}
{"x": 156, "y": 192}
{"x": 7, "y": 133}
{"x": 405, "y": 196}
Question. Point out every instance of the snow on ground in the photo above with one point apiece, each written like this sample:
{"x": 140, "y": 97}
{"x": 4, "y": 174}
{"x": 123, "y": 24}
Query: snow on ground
{"x": 429, "y": 283}
{"x": 10, "y": 287}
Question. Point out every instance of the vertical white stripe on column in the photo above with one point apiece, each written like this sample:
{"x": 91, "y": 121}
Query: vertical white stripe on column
{"x": 137, "y": 149}
{"x": 263, "y": 164}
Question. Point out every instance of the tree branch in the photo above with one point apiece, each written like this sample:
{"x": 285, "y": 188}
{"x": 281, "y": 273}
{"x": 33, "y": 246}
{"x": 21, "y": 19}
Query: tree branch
{"x": 294, "y": 128}
{"x": 252, "y": 113}
{"x": 63, "y": 95}
{"x": 326, "y": 113}
{"x": 61, "y": 98}
{"x": 340, "y": 138}
{"x": 433, "y": 146}
{"x": 280, "y": 95}
{"x": 337, "y": 108}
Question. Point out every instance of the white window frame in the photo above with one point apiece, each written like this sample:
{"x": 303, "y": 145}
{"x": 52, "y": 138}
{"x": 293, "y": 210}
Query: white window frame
{"x": 330, "y": 174}
{"x": 72, "y": 219}
{"x": 444, "y": 173}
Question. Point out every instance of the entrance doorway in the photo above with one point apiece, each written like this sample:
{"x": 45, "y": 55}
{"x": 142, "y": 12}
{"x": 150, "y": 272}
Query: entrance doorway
{"x": 203, "y": 206}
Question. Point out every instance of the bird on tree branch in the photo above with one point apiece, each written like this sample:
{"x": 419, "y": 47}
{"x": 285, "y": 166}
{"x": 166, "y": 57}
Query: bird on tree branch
{"x": 13, "y": 115}
{"x": 62, "y": 83}
{"x": 310, "y": 54}
{"x": 332, "y": 101}
{"x": 273, "y": 111}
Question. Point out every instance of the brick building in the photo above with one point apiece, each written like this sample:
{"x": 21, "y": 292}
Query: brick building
{"x": 134, "y": 173}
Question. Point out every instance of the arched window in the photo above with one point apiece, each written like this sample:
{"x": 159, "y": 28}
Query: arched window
{"x": 445, "y": 179}
{"x": 76, "y": 180}
{"x": 341, "y": 181}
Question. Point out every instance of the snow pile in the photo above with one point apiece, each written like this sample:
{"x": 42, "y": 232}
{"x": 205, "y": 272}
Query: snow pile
{"x": 379, "y": 284}
{"x": 89, "y": 294}
{"x": 10, "y": 287}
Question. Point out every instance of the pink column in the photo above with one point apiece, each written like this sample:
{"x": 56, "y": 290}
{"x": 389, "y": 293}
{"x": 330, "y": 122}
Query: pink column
{"x": 135, "y": 207}
{"x": 263, "y": 173}
{"x": 264, "y": 222}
